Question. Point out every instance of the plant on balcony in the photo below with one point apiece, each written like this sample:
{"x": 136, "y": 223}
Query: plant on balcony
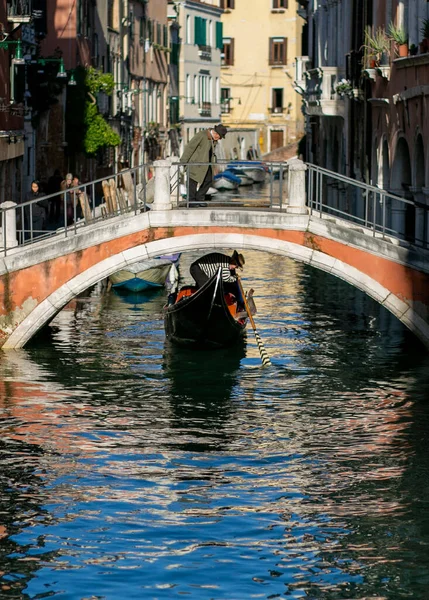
{"x": 376, "y": 46}
{"x": 399, "y": 36}
{"x": 344, "y": 88}
{"x": 424, "y": 30}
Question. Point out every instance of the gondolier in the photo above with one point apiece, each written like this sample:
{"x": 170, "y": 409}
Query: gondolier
{"x": 201, "y": 149}
{"x": 205, "y": 267}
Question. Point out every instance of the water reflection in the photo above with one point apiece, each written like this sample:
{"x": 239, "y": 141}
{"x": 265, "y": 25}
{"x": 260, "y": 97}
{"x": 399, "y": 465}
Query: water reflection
{"x": 201, "y": 474}
{"x": 201, "y": 385}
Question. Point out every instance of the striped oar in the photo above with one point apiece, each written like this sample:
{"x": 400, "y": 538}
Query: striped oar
{"x": 264, "y": 356}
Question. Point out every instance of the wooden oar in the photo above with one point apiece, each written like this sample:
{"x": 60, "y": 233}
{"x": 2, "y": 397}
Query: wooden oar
{"x": 264, "y": 356}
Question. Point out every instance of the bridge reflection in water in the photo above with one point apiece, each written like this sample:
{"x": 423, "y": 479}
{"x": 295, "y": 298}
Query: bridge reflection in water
{"x": 201, "y": 474}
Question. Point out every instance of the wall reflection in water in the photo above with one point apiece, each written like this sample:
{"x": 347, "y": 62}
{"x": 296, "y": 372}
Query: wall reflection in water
{"x": 187, "y": 470}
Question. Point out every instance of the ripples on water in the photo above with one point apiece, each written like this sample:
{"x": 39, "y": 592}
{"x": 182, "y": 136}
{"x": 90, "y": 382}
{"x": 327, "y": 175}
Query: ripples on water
{"x": 130, "y": 469}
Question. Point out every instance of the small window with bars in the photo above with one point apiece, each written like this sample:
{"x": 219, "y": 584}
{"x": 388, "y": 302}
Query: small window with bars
{"x": 225, "y": 101}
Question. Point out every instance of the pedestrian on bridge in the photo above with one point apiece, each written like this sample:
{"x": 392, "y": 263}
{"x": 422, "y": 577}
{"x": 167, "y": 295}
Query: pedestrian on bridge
{"x": 35, "y": 213}
{"x": 201, "y": 149}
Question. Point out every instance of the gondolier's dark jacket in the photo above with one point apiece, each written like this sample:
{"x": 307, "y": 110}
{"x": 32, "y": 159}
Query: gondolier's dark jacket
{"x": 210, "y": 263}
{"x": 198, "y": 150}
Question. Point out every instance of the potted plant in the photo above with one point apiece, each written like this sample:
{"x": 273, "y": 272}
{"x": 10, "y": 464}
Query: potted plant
{"x": 399, "y": 36}
{"x": 376, "y": 46}
{"x": 344, "y": 88}
{"x": 424, "y": 30}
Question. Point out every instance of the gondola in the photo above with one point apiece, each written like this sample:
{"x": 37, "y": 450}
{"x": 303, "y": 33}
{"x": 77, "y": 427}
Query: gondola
{"x": 204, "y": 318}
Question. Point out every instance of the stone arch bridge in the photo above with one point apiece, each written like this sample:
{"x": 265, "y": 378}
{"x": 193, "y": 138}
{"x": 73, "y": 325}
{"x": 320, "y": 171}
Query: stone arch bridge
{"x": 37, "y": 281}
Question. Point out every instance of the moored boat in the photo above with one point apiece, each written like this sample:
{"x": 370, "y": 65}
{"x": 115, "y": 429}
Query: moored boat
{"x": 144, "y": 275}
{"x": 256, "y": 170}
{"x": 243, "y": 177}
{"x": 226, "y": 180}
{"x": 205, "y": 317}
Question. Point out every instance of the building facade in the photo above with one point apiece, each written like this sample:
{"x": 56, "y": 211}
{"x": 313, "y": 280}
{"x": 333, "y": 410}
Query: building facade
{"x": 199, "y": 65}
{"x": 365, "y": 101}
{"x": 149, "y": 49}
{"x": 12, "y": 18}
{"x": 261, "y": 39}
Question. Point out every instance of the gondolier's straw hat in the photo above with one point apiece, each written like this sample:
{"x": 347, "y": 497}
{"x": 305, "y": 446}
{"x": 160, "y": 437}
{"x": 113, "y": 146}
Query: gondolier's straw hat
{"x": 238, "y": 259}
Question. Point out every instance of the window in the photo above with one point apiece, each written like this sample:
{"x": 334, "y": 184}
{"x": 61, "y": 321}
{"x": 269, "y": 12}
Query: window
{"x": 278, "y": 51}
{"x": 188, "y": 30}
{"x": 188, "y": 89}
{"x": 279, "y": 3}
{"x": 158, "y": 34}
{"x": 277, "y": 100}
{"x": 165, "y": 36}
{"x": 196, "y": 89}
{"x": 225, "y": 104}
{"x": 227, "y": 4}
{"x": 200, "y": 31}
{"x": 228, "y": 52}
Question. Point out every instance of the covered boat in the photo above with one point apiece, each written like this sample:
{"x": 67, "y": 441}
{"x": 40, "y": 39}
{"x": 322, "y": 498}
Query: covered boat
{"x": 205, "y": 317}
{"x": 145, "y": 275}
{"x": 256, "y": 170}
{"x": 226, "y": 180}
{"x": 243, "y": 177}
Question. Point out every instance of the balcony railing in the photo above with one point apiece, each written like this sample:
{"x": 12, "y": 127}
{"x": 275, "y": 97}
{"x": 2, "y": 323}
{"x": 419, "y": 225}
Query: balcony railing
{"x": 19, "y": 11}
{"x": 205, "y": 52}
{"x": 318, "y": 88}
{"x": 205, "y": 109}
{"x": 225, "y": 107}
{"x": 276, "y": 110}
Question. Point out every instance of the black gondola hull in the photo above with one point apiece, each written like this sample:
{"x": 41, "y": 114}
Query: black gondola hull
{"x": 203, "y": 320}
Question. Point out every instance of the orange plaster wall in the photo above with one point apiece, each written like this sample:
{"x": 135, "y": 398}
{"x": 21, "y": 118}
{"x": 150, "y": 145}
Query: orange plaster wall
{"x": 39, "y": 281}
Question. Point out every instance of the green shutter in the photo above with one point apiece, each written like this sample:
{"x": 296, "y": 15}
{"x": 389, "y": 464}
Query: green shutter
{"x": 203, "y": 32}
{"x": 219, "y": 35}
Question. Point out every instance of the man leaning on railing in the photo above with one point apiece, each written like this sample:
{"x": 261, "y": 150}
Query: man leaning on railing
{"x": 201, "y": 149}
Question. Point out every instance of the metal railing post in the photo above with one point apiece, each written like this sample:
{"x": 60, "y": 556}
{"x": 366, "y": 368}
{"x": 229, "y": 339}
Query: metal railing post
{"x": 65, "y": 213}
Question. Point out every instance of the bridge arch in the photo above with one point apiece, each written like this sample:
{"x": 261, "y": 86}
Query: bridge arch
{"x": 308, "y": 254}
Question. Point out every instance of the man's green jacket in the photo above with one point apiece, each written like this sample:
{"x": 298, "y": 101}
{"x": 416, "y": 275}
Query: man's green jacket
{"x": 198, "y": 150}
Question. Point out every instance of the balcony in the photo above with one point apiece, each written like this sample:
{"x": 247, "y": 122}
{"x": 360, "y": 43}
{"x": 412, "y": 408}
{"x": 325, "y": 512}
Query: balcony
{"x": 19, "y": 11}
{"x": 205, "y": 109}
{"x": 205, "y": 52}
{"x": 318, "y": 88}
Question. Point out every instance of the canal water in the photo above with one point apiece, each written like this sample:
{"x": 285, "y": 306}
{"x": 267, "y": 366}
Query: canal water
{"x": 130, "y": 469}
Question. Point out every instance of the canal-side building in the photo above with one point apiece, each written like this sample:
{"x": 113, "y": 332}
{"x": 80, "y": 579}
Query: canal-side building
{"x": 12, "y": 17}
{"x": 261, "y": 39}
{"x": 149, "y": 49}
{"x": 199, "y": 65}
{"x": 365, "y": 110}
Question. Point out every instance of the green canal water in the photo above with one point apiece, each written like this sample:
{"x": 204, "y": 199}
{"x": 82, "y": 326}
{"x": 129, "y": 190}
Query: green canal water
{"x": 130, "y": 469}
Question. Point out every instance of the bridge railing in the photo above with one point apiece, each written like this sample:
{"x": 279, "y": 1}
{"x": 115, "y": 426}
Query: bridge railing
{"x": 235, "y": 184}
{"x": 66, "y": 212}
{"x": 384, "y": 213}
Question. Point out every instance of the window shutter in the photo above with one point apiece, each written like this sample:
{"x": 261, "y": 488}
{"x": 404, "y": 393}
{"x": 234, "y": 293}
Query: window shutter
{"x": 219, "y": 35}
{"x": 203, "y": 32}
{"x": 231, "y": 62}
{"x": 165, "y": 43}
{"x": 285, "y": 51}
{"x": 271, "y": 51}
{"x": 231, "y": 3}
